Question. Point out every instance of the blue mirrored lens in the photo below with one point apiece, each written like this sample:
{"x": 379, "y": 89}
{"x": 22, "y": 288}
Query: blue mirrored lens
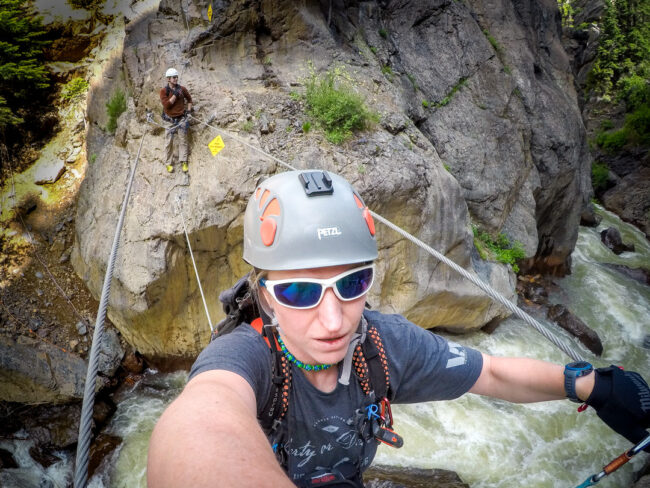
{"x": 356, "y": 284}
{"x": 298, "y": 294}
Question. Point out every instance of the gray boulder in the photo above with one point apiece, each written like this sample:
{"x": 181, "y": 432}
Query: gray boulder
{"x": 575, "y": 326}
{"x": 33, "y": 371}
{"x": 612, "y": 239}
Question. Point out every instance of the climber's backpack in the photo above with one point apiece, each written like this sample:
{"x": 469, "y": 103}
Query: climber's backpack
{"x": 369, "y": 361}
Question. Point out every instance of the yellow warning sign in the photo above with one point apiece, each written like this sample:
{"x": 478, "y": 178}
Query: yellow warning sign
{"x": 210, "y": 12}
{"x": 216, "y": 145}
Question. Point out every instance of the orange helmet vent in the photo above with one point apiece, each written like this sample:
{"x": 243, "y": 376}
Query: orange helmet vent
{"x": 358, "y": 201}
{"x": 369, "y": 221}
{"x": 269, "y": 225}
{"x": 273, "y": 208}
{"x": 267, "y": 230}
{"x": 265, "y": 195}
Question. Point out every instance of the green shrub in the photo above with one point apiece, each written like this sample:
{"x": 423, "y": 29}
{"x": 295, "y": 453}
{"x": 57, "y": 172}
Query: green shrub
{"x": 387, "y": 71}
{"x": 612, "y": 141}
{"x": 115, "y": 107}
{"x": 499, "y": 249}
{"x": 599, "y": 175}
{"x": 412, "y": 80}
{"x": 451, "y": 93}
{"x": 383, "y": 33}
{"x": 74, "y": 89}
{"x": 637, "y": 124}
{"x": 635, "y": 90}
{"x": 334, "y": 104}
{"x": 566, "y": 11}
{"x": 492, "y": 40}
{"x": 373, "y": 49}
{"x": 247, "y": 126}
{"x": 306, "y": 127}
{"x": 425, "y": 104}
{"x": 606, "y": 125}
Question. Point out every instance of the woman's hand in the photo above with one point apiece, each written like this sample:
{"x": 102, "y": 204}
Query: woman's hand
{"x": 622, "y": 400}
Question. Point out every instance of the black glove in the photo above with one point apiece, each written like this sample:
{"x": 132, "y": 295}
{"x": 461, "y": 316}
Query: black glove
{"x": 178, "y": 92}
{"x": 622, "y": 401}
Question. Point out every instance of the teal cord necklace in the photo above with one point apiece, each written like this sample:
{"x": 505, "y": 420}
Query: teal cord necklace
{"x": 307, "y": 367}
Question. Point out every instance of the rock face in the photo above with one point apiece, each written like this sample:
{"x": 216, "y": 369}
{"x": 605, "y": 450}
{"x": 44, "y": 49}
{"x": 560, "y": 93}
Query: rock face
{"x": 501, "y": 116}
{"x": 49, "y": 376}
{"x": 630, "y": 198}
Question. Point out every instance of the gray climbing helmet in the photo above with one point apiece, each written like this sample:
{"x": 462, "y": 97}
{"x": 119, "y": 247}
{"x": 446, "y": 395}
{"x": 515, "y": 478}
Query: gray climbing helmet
{"x": 307, "y": 219}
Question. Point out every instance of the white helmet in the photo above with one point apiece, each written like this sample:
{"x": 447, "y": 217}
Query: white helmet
{"x": 307, "y": 219}
{"x": 171, "y": 72}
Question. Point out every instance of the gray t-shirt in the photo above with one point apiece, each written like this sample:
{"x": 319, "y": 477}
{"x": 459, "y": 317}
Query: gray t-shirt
{"x": 322, "y": 430}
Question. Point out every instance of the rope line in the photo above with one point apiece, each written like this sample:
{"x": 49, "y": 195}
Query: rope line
{"x": 490, "y": 291}
{"x": 85, "y": 424}
{"x": 196, "y": 271}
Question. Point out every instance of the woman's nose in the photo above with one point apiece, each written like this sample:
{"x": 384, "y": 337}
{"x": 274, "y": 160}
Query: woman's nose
{"x": 330, "y": 311}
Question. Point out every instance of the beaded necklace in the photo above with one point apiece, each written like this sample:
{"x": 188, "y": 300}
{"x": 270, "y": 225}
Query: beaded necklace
{"x": 307, "y": 367}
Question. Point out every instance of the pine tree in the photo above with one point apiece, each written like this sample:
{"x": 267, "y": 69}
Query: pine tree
{"x": 606, "y": 68}
{"x": 22, "y": 71}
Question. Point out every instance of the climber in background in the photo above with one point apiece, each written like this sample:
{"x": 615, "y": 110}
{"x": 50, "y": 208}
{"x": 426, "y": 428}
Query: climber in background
{"x": 177, "y": 104}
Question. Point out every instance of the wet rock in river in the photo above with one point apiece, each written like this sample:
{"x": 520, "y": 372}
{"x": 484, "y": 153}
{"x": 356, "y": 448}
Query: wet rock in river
{"x": 7, "y": 460}
{"x": 588, "y": 217}
{"x": 389, "y": 477}
{"x": 572, "y": 324}
{"x": 42, "y": 456}
{"x": 133, "y": 363}
{"x": 110, "y": 353}
{"x": 611, "y": 237}
{"x": 639, "y": 274}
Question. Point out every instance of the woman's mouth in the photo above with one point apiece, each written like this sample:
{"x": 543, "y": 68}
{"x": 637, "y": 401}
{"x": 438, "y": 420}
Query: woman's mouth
{"x": 332, "y": 342}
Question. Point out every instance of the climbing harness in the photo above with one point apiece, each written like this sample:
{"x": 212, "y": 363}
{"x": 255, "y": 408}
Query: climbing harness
{"x": 616, "y": 463}
{"x": 85, "y": 424}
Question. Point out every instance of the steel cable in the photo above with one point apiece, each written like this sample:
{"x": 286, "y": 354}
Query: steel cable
{"x": 491, "y": 292}
{"x": 85, "y": 424}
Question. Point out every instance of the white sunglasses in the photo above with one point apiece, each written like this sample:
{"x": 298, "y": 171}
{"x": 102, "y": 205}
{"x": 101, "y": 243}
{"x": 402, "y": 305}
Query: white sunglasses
{"x": 302, "y": 293}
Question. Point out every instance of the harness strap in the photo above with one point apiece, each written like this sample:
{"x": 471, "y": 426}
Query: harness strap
{"x": 277, "y": 405}
{"x": 371, "y": 365}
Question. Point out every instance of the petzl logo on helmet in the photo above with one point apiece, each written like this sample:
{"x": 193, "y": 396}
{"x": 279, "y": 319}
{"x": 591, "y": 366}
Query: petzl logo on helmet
{"x": 328, "y": 232}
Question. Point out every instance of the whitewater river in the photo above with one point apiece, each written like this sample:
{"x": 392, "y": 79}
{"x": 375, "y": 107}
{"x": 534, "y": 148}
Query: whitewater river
{"x": 488, "y": 443}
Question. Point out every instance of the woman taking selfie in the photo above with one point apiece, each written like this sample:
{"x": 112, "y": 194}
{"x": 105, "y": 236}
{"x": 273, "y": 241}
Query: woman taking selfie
{"x": 299, "y": 394}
